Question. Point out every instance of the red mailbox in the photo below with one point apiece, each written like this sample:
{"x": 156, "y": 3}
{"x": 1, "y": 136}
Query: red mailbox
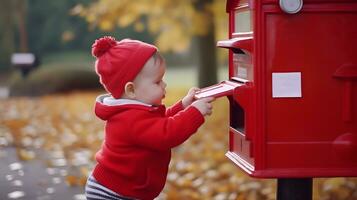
{"x": 292, "y": 87}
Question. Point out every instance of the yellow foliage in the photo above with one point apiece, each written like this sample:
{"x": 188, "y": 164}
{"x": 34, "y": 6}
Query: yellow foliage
{"x": 139, "y": 26}
{"x": 126, "y": 20}
{"x": 67, "y": 36}
{"x": 173, "y": 22}
{"x": 72, "y": 180}
{"x": 26, "y": 155}
{"x": 174, "y": 39}
{"x": 201, "y": 23}
{"x": 153, "y": 25}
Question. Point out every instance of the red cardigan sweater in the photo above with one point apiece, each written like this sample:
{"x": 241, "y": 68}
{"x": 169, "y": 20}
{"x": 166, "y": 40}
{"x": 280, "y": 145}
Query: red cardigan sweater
{"x": 136, "y": 152}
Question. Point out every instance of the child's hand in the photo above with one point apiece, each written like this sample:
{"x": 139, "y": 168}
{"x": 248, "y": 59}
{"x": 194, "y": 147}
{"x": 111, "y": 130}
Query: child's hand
{"x": 189, "y": 98}
{"x": 204, "y": 105}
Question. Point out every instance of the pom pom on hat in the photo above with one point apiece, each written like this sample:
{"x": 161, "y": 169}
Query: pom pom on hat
{"x": 118, "y": 62}
{"x": 102, "y": 45}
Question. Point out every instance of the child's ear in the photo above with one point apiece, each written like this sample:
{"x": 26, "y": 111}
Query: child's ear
{"x": 129, "y": 90}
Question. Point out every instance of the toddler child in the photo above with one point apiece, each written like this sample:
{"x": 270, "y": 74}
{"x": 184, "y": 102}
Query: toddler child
{"x": 139, "y": 132}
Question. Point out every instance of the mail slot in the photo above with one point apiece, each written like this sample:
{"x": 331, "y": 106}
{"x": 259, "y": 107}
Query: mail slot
{"x": 292, "y": 87}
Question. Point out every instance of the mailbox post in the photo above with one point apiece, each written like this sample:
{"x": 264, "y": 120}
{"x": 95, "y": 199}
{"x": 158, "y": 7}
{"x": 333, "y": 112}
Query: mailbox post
{"x": 292, "y": 88}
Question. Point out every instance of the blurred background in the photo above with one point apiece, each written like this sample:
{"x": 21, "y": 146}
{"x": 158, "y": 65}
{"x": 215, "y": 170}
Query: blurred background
{"x": 48, "y": 131}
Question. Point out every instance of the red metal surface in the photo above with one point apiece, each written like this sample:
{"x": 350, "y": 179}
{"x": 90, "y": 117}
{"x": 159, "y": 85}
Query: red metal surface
{"x": 314, "y": 135}
{"x": 347, "y": 73}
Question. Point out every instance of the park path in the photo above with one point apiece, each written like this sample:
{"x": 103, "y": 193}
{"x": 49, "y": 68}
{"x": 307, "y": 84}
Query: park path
{"x": 33, "y": 180}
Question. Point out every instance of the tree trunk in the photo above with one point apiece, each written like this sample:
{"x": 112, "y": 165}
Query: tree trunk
{"x": 21, "y": 10}
{"x": 207, "y": 66}
{"x": 7, "y": 34}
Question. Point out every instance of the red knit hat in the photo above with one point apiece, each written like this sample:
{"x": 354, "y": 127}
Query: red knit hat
{"x": 119, "y": 62}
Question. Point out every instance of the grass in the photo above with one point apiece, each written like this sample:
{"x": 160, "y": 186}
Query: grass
{"x": 78, "y": 58}
{"x": 73, "y": 70}
{"x": 185, "y": 76}
{"x": 58, "y": 72}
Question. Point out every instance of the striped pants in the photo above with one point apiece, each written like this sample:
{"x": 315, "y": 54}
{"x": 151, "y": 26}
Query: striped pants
{"x": 96, "y": 191}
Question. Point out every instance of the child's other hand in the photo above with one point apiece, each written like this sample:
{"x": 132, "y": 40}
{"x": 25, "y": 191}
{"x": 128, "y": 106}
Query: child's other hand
{"x": 204, "y": 105}
{"x": 190, "y": 97}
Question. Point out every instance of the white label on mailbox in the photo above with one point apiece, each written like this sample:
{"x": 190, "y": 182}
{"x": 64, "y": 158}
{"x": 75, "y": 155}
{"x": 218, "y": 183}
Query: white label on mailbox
{"x": 287, "y": 84}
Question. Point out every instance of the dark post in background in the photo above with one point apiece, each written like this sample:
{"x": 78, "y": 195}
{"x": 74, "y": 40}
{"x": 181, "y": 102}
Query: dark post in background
{"x": 294, "y": 189}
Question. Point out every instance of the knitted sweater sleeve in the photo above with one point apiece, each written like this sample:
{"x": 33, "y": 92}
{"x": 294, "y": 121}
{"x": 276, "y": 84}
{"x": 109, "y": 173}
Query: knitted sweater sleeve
{"x": 163, "y": 133}
{"x": 177, "y": 107}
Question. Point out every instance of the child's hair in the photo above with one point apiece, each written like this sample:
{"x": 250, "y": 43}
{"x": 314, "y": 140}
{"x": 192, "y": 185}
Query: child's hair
{"x": 158, "y": 59}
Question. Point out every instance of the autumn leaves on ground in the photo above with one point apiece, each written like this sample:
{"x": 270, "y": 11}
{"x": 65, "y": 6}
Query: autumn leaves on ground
{"x": 66, "y": 132}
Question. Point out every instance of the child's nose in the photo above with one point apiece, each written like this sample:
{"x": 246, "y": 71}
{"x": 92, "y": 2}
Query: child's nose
{"x": 164, "y": 84}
